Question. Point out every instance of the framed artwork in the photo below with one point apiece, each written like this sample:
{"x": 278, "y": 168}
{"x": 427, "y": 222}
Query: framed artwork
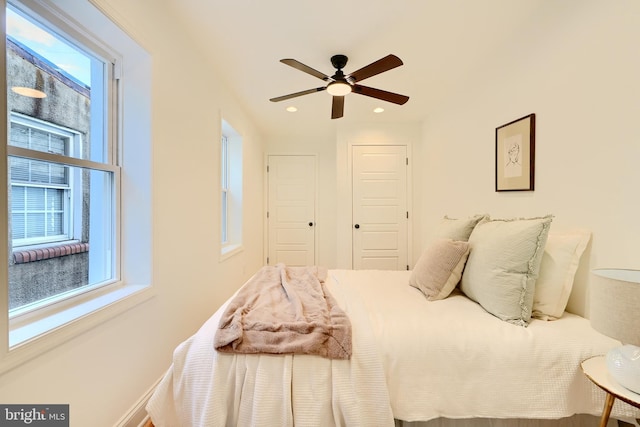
{"x": 515, "y": 155}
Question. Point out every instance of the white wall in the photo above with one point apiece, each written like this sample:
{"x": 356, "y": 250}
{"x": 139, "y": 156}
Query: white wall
{"x": 577, "y": 67}
{"x": 104, "y": 371}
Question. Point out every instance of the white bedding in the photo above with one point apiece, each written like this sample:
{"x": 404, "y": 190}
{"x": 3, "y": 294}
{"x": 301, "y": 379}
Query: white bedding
{"x": 413, "y": 359}
{"x": 206, "y": 388}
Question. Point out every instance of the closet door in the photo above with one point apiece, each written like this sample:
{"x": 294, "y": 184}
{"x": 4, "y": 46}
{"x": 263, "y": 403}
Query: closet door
{"x": 380, "y": 216}
{"x": 291, "y": 209}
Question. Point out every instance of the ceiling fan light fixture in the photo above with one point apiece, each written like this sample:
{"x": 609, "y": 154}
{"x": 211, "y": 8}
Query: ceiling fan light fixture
{"x": 341, "y": 84}
{"x": 339, "y": 88}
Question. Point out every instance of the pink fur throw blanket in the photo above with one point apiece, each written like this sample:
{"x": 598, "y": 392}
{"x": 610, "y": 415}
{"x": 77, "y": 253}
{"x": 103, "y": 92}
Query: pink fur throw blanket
{"x": 285, "y": 310}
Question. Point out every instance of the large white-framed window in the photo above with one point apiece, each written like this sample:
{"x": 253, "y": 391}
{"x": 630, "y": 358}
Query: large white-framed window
{"x": 64, "y": 200}
{"x": 231, "y": 190}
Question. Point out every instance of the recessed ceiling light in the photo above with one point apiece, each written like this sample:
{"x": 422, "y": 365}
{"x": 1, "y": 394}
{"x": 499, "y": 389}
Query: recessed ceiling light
{"x": 378, "y": 110}
{"x": 292, "y": 109}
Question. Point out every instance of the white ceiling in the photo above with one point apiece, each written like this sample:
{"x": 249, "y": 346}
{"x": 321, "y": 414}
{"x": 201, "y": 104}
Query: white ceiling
{"x": 443, "y": 44}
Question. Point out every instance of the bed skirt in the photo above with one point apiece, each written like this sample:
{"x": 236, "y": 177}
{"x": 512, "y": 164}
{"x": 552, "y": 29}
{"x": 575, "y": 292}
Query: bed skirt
{"x": 575, "y": 421}
{"x": 581, "y": 420}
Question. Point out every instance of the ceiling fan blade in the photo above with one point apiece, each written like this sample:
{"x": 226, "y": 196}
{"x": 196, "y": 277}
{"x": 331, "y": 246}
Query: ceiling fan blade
{"x": 337, "y": 109}
{"x": 380, "y": 66}
{"x": 294, "y": 95}
{"x": 300, "y": 66}
{"x": 380, "y": 94}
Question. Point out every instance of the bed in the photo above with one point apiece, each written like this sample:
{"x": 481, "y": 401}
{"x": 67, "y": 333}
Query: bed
{"x": 417, "y": 356}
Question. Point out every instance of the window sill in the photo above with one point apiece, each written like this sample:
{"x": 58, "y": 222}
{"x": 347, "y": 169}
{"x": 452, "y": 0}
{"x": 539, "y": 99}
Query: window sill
{"x": 230, "y": 250}
{"x": 22, "y": 256}
{"x": 35, "y": 337}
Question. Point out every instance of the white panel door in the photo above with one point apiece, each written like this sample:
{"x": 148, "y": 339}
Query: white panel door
{"x": 291, "y": 210}
{"x": 380, "y": 223}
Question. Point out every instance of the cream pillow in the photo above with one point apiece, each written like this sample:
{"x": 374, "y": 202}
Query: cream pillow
{"x": 439, "y": 268}
{"x": 457, "y": 229}
{"x": 557, "y": 270}
{"x": 503, "y": 266}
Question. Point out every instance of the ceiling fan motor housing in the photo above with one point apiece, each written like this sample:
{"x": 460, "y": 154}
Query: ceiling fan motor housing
{"x": 339, "y": 61}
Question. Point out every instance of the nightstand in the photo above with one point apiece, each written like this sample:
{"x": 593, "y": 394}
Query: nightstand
{"x": 595, "y": 368}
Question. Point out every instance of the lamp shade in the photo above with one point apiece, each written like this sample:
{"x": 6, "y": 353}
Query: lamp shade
{"x": 615, "y": 304}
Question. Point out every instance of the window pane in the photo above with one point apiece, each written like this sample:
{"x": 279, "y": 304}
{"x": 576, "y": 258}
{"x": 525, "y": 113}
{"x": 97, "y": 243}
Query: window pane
{"x": 224, "y": 162}
{"x": 58, "y": 174}
{"x": 224, "y": 217}
{"x": 39, "y": 172}
{"x": 70, "y": 90}
{"x": 57, "y": 144}
{"x": 39, "y": 141}
{"x": 55, "y": 199}
{"x": 35, "y": 224}
{"x": 37, "y": 214}
{"x": 19, "y": 135}
{"x": 231, "y": 165}
{"x": 17, "y": 198}
{"x": 19, "y": 169}
{"x": 35, "y": 199}
{"x": 45, "y": 217}
{"x": 46, "y": 209}
{"x": 18, "y": 226}
{"x": 63, "y": 214}
{"x": 55, "y": 224}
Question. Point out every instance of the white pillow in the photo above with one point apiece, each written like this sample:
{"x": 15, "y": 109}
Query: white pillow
{"x": 503, "y": 266}
{"x": 457, "y": 229}
{"x": 439, "y": 268}
{"x": 557, "y": 270}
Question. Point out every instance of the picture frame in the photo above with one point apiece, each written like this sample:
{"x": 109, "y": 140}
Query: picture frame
{"x": 515, "y": 155}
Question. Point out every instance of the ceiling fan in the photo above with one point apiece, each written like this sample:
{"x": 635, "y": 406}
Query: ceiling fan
{"x": 341, "y": 84}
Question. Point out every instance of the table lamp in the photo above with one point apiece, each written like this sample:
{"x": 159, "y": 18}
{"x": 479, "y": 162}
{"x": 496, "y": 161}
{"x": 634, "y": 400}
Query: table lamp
{"x": 615, "y": 312}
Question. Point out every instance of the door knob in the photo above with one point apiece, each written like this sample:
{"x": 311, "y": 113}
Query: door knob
{"x": 357, "y": 226}
{"x": 311, "y": 224}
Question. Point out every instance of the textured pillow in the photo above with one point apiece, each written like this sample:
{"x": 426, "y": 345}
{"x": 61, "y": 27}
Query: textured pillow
{"x": 439, "y": 268}
{"x": 558, "y": 267}
{"x": 503, "y": 266}
{"x": 457, "y": 229}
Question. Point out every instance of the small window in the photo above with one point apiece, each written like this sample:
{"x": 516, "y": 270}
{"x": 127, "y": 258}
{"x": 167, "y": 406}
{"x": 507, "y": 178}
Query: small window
{"x": 231, "y": 190}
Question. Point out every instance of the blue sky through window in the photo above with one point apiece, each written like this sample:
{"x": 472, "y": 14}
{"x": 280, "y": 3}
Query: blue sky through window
{"x": 49, "y": 46}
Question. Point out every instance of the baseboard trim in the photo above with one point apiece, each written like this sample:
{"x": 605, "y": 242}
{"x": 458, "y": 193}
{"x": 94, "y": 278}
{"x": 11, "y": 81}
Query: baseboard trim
{"x": 137, "y": 415}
